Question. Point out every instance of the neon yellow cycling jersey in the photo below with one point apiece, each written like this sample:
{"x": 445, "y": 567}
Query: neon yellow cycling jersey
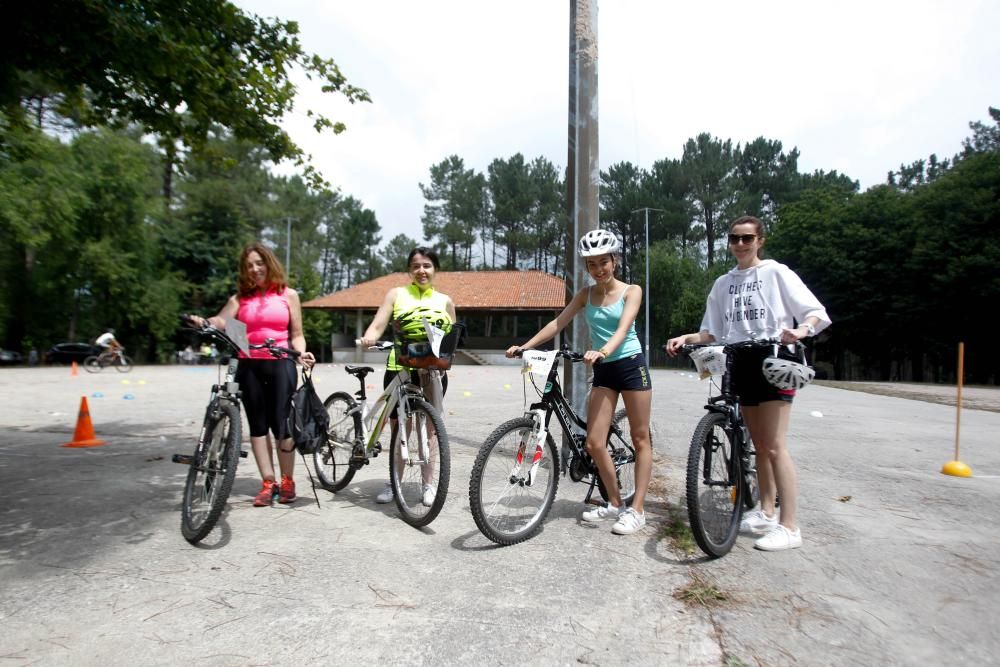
{"x": 409, "y": 310}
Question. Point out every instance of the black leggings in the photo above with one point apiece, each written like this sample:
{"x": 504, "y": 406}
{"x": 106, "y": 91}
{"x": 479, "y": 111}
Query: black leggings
{"x": 267, "y": 387}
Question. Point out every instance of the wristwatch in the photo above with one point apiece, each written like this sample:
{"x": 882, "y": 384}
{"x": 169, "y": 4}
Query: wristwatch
{"x": 809, "y": 328}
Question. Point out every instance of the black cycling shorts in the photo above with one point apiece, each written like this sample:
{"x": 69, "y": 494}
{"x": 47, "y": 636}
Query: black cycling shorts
{"x": 267, "y": 387}
{"x": 626, "y": 374}
{"x": 749, "y": 381}
{"x": 418, "y": 380}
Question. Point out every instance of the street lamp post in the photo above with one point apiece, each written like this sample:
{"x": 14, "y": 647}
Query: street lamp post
{"x": 646, "y": 327}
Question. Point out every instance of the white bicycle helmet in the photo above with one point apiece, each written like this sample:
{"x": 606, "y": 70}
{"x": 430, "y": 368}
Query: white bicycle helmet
{"x": 599, "y": 242}
{"x": 709, "y": 360}
{"x": 787, "y": 373}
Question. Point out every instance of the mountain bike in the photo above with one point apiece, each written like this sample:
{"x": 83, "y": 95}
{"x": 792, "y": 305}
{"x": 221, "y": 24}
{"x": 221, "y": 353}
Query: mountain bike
{"x": 113, "y": 357}
{"x": 516, "y": 473}
{"x": 419, "y": 462}
{"x": 722, "y": 463}
{"x": 219, "y": 447}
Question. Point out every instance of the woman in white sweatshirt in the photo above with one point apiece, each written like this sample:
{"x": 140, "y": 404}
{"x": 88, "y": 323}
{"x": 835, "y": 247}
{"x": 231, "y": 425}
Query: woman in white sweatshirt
{"x": 761, "y": 298}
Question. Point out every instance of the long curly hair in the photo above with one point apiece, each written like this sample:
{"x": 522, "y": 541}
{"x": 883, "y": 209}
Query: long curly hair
{"x": 275, "y": 272}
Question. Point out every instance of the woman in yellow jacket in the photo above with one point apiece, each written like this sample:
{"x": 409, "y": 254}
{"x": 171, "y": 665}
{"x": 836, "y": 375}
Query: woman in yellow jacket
{"x": 408, "y": 306}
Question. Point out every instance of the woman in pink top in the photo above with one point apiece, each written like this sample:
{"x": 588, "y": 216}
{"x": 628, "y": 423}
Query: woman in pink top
{"x": 270, "y": 309}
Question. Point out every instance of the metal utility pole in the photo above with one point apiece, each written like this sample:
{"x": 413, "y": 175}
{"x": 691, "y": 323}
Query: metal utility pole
{"x": 583, "y": 172}
{"x": 645, "y": 290}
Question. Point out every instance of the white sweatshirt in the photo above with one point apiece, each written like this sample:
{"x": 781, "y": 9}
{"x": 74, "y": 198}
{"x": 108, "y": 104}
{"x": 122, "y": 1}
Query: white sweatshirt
{"x": 758, "y": 303}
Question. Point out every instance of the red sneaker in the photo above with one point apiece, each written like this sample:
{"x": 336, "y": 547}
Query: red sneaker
{"x": 267, "y": 493}
{"x": 287, "y": 493}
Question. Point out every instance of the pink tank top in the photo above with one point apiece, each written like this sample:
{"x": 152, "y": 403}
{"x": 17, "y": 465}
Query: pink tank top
{"x": 266, "y": 316}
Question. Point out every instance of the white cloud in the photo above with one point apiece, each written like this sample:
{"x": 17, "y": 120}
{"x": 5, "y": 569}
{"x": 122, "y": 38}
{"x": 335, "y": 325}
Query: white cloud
{"x": 857, "y": 86}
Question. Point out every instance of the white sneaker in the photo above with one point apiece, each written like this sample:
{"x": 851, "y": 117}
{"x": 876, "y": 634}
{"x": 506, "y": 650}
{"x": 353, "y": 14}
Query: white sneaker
{"x": 386, "y": 495}
{"x": 779, "y": 539}
{"x": 758, "y": 523}
{"x": 629, "y": 522}
{"x": 429, "y": 493}
{"x": 601, "y": 513}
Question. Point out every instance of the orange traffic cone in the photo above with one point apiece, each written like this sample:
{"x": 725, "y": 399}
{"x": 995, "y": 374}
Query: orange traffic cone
{"x": 83, "y": 436}
{"x": 73, "y": 370}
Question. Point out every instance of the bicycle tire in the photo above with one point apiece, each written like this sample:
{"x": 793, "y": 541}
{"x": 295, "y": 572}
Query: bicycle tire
{"x": 714, "y": 507}
{"x": 93, "y": 364}
{"x": 212, "y": 472}
{"x": 122, "y": 364}
{"x": 410, "y": 478}
{"x": 332, "y": 461}
{"x": 622, "y": 453}
{"x": 751, "y": 486}
{"x": 507, "y": 510}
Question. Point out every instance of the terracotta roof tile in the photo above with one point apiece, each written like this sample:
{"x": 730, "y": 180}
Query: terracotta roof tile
{"x": 470, "y": 290}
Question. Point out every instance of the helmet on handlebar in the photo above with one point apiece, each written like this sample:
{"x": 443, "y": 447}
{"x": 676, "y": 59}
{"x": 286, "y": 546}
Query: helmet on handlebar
{"x": 599, "y": 242}
{"x": 785, "y": 373}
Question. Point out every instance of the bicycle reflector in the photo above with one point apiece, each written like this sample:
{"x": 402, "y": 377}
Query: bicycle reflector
{"x": 709, "y": 360}
{"x": 787, "y": 373}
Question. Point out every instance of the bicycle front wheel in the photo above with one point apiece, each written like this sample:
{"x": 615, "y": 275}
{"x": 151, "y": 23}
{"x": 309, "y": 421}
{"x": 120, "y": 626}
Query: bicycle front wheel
{"x": 122, "y": 364}
{"x": 212, "y": 472}
{"x": 92, "y": 364}
{"x": 333, "y": 460}
{"x": 623, "y": 456}
{"x": 714, "y": 498}
{"x": 513, "y": 482}
{"x": 420, "y": 478}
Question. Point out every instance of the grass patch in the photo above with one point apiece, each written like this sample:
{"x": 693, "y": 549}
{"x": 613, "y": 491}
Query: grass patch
{"x": 676, "y": 529}
{"x": 701, "y": 592}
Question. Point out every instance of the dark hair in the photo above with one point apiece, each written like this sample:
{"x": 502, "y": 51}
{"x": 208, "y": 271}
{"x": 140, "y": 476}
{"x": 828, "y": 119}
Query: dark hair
{"x": 275, "y": 273}
{"x": 756, "y": 222}
{"x": 429, "y": 253}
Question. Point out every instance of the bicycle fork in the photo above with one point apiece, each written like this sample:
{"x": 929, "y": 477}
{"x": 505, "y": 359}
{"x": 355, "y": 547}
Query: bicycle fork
{"x": 538, "y": 434}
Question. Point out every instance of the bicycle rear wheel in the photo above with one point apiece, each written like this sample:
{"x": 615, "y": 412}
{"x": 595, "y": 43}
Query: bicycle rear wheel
{"x": 623, "y": 456}
{"x": 420, "y": 482}
{"x": 333, "y": 460}
{"x": 92, "y": 364}
{"x": 212, "y": 472}
{"x": 122, "y": 364}
{"x": 714, "y": 499}
{"x": 513, "y": 482}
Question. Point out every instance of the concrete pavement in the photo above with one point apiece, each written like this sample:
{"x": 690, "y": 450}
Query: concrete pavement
{"x": 898, "y": 566}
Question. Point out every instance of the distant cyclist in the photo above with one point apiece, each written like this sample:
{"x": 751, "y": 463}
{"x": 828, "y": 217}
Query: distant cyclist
{"x": 108, "y": 343}
{"x": 761, "y": 298}
{"x": 409, "y": 306}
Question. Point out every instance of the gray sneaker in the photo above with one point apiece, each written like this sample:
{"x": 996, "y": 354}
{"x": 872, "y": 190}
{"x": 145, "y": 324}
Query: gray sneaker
{"x": 758, "y": 523}
{"x": 601, "y": 513}
{"x": 385, "y": 496}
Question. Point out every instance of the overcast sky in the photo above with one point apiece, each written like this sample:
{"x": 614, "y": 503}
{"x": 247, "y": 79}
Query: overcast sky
{"x": 859, "y": 87}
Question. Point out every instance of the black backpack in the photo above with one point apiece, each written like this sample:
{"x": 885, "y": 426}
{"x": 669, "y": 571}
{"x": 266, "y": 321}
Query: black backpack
{"x": 308, "y": 420}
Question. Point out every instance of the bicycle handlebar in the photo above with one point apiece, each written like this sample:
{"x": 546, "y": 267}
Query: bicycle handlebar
{"x": 381, "y": 345}
{"x": 741, "y": 345}
{"x": 209, "y": 330}
{"x": 565, "y": 353}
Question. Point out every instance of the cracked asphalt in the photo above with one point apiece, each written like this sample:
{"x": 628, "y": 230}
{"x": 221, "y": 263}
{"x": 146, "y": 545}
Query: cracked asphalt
{"x": 899, "y": 563}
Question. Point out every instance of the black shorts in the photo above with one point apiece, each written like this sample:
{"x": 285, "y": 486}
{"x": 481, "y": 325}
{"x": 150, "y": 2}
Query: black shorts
{"x": 749, "y": 382}
{"x": 267, "y": 387}
{"x": 418, "y": 380}
{"x": 625, "y": 374}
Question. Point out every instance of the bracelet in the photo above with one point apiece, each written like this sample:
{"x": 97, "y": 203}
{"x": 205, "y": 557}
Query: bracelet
{"x": 603, "y": 353}
{"x": 810, "y": 329}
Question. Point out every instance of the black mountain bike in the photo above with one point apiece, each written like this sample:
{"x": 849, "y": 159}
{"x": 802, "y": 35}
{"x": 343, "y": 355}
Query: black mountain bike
{"x": 516, "y": 473}
{"x": 218, "y": 450}
{"x": 722, "y": 463}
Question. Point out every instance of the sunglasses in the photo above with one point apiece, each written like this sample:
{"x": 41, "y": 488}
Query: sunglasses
{"x": 746, "y": 239}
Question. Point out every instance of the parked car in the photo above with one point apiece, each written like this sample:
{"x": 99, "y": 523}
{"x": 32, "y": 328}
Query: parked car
{"x": 9, "y": 357}
{"x": 64, "y": 353}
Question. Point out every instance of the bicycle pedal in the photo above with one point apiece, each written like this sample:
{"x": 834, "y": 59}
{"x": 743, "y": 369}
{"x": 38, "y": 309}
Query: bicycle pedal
{"x": 185, "y": 459}
{"x": 244, "y": 453}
